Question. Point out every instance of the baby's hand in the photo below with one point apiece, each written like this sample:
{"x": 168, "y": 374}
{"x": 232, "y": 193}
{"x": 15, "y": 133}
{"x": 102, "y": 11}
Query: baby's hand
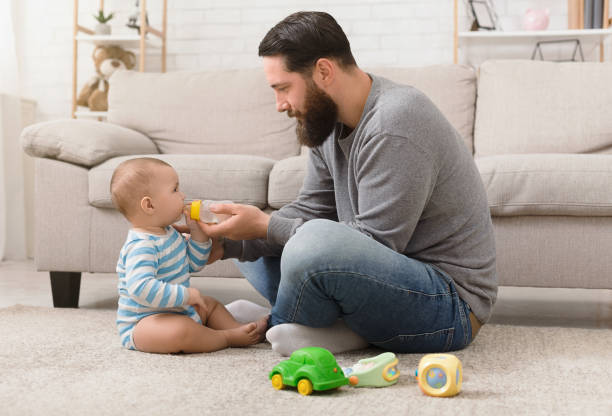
{"x": 196, "y": 232}
{"x": 195, "y": 299}
{"x": 202, "y": 311}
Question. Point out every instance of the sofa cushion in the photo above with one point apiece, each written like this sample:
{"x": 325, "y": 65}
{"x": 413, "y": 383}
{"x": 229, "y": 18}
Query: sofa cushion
{"x": 548, "y": 184}
{"x": 239, "y": 178}
{"x": 452, "y": 88}
{"x": 286, "y": 180}
{"x": 543, "y": 107}
{"x": 217, "y": 112}
{"x": 83, "y": 142}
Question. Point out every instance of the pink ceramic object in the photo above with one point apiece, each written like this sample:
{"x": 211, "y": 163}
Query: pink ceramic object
{"x": 536, "y": 19}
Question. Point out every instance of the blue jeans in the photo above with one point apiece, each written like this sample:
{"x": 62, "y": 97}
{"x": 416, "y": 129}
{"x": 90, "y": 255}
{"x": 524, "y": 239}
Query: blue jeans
{"x": 329, "y": 271}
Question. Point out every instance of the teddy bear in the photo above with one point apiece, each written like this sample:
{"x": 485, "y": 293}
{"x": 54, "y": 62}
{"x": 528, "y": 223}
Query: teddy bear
{"x": 107, "y": 60}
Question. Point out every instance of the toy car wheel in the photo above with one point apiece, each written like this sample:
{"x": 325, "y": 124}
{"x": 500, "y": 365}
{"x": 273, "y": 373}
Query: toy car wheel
{"x": 304, "y": 387}
{"x": 277, "y": 381}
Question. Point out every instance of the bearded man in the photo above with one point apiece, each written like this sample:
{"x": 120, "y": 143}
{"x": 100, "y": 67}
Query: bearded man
{"x": 390, "y": 240}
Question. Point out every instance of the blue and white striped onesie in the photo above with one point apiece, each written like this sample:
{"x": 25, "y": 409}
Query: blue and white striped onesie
{"x": 154, "y": 273}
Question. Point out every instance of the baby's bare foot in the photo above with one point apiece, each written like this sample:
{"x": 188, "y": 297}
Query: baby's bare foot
{"x": 244, "y": 335}
{"x": 262, "y": 327}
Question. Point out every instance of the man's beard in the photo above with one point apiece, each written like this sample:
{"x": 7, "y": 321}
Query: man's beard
{"x": 319, "y": 117}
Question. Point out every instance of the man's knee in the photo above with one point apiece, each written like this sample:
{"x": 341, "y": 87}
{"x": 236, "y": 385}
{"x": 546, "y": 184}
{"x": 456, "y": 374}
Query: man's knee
{"x": 315, "y": 235}
{"x": 309, "y": 246}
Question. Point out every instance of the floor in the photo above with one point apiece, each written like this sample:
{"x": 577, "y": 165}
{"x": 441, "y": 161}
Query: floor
{"x": 20, "y": 283}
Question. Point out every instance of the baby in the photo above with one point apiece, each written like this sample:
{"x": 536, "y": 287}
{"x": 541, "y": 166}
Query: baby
{"x": 158, "y": 312}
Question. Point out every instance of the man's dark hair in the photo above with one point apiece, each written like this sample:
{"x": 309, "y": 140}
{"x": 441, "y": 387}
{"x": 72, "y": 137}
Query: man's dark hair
{"x": 303, "y": 38}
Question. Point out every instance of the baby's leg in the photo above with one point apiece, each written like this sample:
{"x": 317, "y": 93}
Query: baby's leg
{"x": 218, "y": 317}
{"x": 170, "y": 333}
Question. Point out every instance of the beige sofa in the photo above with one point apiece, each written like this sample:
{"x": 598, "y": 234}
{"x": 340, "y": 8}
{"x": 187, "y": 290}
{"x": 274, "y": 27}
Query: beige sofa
{"x": 541, "y": 134}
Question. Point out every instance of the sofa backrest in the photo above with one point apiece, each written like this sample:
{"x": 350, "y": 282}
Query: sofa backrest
{"x": 234, "y": 111}
{"x": 452, "y": 88}
{"x": 543, "y": 107}
{"x": 216, "y": 112}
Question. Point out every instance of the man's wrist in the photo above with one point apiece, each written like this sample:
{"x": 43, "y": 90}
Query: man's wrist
{"x": 265, "y": 223}
{"x": 232, "y": 249}
{"x": 280, "y": 229}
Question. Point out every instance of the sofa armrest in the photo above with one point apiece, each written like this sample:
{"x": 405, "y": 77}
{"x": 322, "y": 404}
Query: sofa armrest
{"x": 83, "y": 142}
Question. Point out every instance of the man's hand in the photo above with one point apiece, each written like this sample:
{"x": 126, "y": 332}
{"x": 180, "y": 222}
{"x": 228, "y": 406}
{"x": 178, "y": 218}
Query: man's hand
{"x": 246, "y": 222}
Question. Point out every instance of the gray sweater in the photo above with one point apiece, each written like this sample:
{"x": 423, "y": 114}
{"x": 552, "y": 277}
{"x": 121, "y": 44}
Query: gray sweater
{"x": 405, "y": 178}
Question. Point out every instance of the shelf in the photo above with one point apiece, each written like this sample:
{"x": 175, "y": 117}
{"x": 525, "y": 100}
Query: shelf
{"x": 90, "y": 114}
{"x": 486, "y": 40}
{"x": 497, "y": 35}
{"x": 476, "y": 46}
{"x": 126, "y": 41}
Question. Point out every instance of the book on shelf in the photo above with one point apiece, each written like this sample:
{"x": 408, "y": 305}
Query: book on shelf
{"x": 573, "y": 14}
{"x": 588, "y": 14}
{"x": 597, "y": 14}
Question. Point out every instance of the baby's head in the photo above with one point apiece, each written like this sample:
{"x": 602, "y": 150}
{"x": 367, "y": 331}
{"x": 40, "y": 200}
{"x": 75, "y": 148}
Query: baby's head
{"x": 146, "y": 191}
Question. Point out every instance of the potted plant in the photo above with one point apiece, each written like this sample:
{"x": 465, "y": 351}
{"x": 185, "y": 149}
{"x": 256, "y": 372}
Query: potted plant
{"x": 102, "y": 28}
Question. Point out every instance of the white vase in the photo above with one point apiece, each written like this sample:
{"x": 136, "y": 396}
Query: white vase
{"x": 102, "y": 29}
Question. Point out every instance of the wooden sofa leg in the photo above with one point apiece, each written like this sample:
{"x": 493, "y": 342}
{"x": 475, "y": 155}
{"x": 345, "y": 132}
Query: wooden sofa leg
{"x": 65, "y": 287}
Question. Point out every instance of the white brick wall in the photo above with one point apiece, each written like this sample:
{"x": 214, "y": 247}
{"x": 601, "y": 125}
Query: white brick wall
{"x": 211, "y": 34}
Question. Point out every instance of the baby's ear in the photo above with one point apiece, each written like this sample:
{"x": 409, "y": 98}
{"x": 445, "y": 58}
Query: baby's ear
{"x": 146, "y": 204}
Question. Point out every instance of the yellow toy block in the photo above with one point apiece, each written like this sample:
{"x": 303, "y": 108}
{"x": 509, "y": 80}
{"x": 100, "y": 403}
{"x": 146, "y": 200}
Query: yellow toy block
{"x": 440, "y": 375}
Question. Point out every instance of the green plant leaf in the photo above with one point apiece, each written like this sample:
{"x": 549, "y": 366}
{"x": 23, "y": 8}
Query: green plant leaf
{"x": 101, "y": 18}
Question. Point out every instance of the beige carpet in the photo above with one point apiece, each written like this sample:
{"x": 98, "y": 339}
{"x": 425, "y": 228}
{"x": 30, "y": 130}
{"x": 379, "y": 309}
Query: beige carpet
{"x": 62, "y": 361}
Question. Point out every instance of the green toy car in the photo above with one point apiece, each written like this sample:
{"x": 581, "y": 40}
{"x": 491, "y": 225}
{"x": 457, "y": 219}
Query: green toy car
{"x": 308, "y": 369}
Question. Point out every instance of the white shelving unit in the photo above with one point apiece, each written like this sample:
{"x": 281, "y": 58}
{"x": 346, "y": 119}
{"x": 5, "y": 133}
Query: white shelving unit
{"x": 140, "y": 42}
{"x": 588, "y": 37}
